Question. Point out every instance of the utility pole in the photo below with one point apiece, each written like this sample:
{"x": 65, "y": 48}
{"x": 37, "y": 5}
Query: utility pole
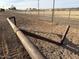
{"x": 38, "y": 7}
{"x": 69, "y": 13}
{"x": 52, "y": 18}
{"x": 9, "y": 2}
{"x": 53, "y": 9}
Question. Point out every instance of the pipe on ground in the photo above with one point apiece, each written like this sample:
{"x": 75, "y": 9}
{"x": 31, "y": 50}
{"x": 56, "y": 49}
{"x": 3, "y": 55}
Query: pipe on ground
{"x": 29, "y": 46}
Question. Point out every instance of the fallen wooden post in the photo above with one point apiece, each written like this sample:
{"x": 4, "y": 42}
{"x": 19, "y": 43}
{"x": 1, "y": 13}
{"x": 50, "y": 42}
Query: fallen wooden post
{"x": 29, "y": 46}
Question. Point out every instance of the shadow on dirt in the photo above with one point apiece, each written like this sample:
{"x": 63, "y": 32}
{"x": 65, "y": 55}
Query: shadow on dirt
{"x": 71, "y": 46}
{"x": 66, "y": 44}
{"x": 39, "y": 37}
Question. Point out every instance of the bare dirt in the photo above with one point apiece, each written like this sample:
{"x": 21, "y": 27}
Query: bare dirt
{"x": 11, "y": 48}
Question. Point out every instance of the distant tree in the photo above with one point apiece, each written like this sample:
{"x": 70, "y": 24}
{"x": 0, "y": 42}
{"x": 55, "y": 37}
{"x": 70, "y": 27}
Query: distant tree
{"x": 12, "y": 8}
{"x": 2, "y": 10}
{"x": 34, "y": 9}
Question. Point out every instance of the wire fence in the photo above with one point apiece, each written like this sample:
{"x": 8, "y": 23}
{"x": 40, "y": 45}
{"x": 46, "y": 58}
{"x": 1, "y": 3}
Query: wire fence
{"x": 62, "y": 16}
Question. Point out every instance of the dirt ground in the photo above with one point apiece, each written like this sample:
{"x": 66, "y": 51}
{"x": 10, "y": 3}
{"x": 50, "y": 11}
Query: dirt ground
{"x": 11, "y": 48}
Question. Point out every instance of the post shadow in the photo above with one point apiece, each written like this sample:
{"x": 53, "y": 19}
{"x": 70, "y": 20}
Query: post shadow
{"x": 66, "y": 43}
{"x": 39, "y": 37}
{"x": 69, "y": 45}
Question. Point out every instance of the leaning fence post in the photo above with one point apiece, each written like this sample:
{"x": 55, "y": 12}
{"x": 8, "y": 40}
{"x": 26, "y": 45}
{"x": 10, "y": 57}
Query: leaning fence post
{"x": 64, "y": 35}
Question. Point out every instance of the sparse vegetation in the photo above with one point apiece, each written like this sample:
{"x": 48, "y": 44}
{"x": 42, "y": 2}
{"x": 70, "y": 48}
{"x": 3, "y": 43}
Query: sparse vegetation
{"x": 2, "y": 10}
{"x": 12, "y": 8}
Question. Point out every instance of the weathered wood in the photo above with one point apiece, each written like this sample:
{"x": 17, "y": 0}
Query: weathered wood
{"x": 29, "y": 46}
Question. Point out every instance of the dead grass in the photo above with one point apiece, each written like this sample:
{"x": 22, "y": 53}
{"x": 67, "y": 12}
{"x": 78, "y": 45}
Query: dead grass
{"x": 74, "y": 14}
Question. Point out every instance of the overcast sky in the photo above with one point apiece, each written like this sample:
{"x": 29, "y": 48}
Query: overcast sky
{"x": 23, "y": 4}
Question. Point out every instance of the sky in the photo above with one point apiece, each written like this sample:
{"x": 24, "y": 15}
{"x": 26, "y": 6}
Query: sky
{"x": 23, "y": 4}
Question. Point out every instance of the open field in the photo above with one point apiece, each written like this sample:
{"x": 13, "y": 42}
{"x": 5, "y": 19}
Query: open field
{"x": 60, "y": 17}
{"x": 11, "y": 48}
{"x": 74, "y": 14}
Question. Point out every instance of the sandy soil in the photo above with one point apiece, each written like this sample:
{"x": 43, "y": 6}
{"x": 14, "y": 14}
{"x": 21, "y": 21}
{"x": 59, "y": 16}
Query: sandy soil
{"x": 11, "y": 48}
